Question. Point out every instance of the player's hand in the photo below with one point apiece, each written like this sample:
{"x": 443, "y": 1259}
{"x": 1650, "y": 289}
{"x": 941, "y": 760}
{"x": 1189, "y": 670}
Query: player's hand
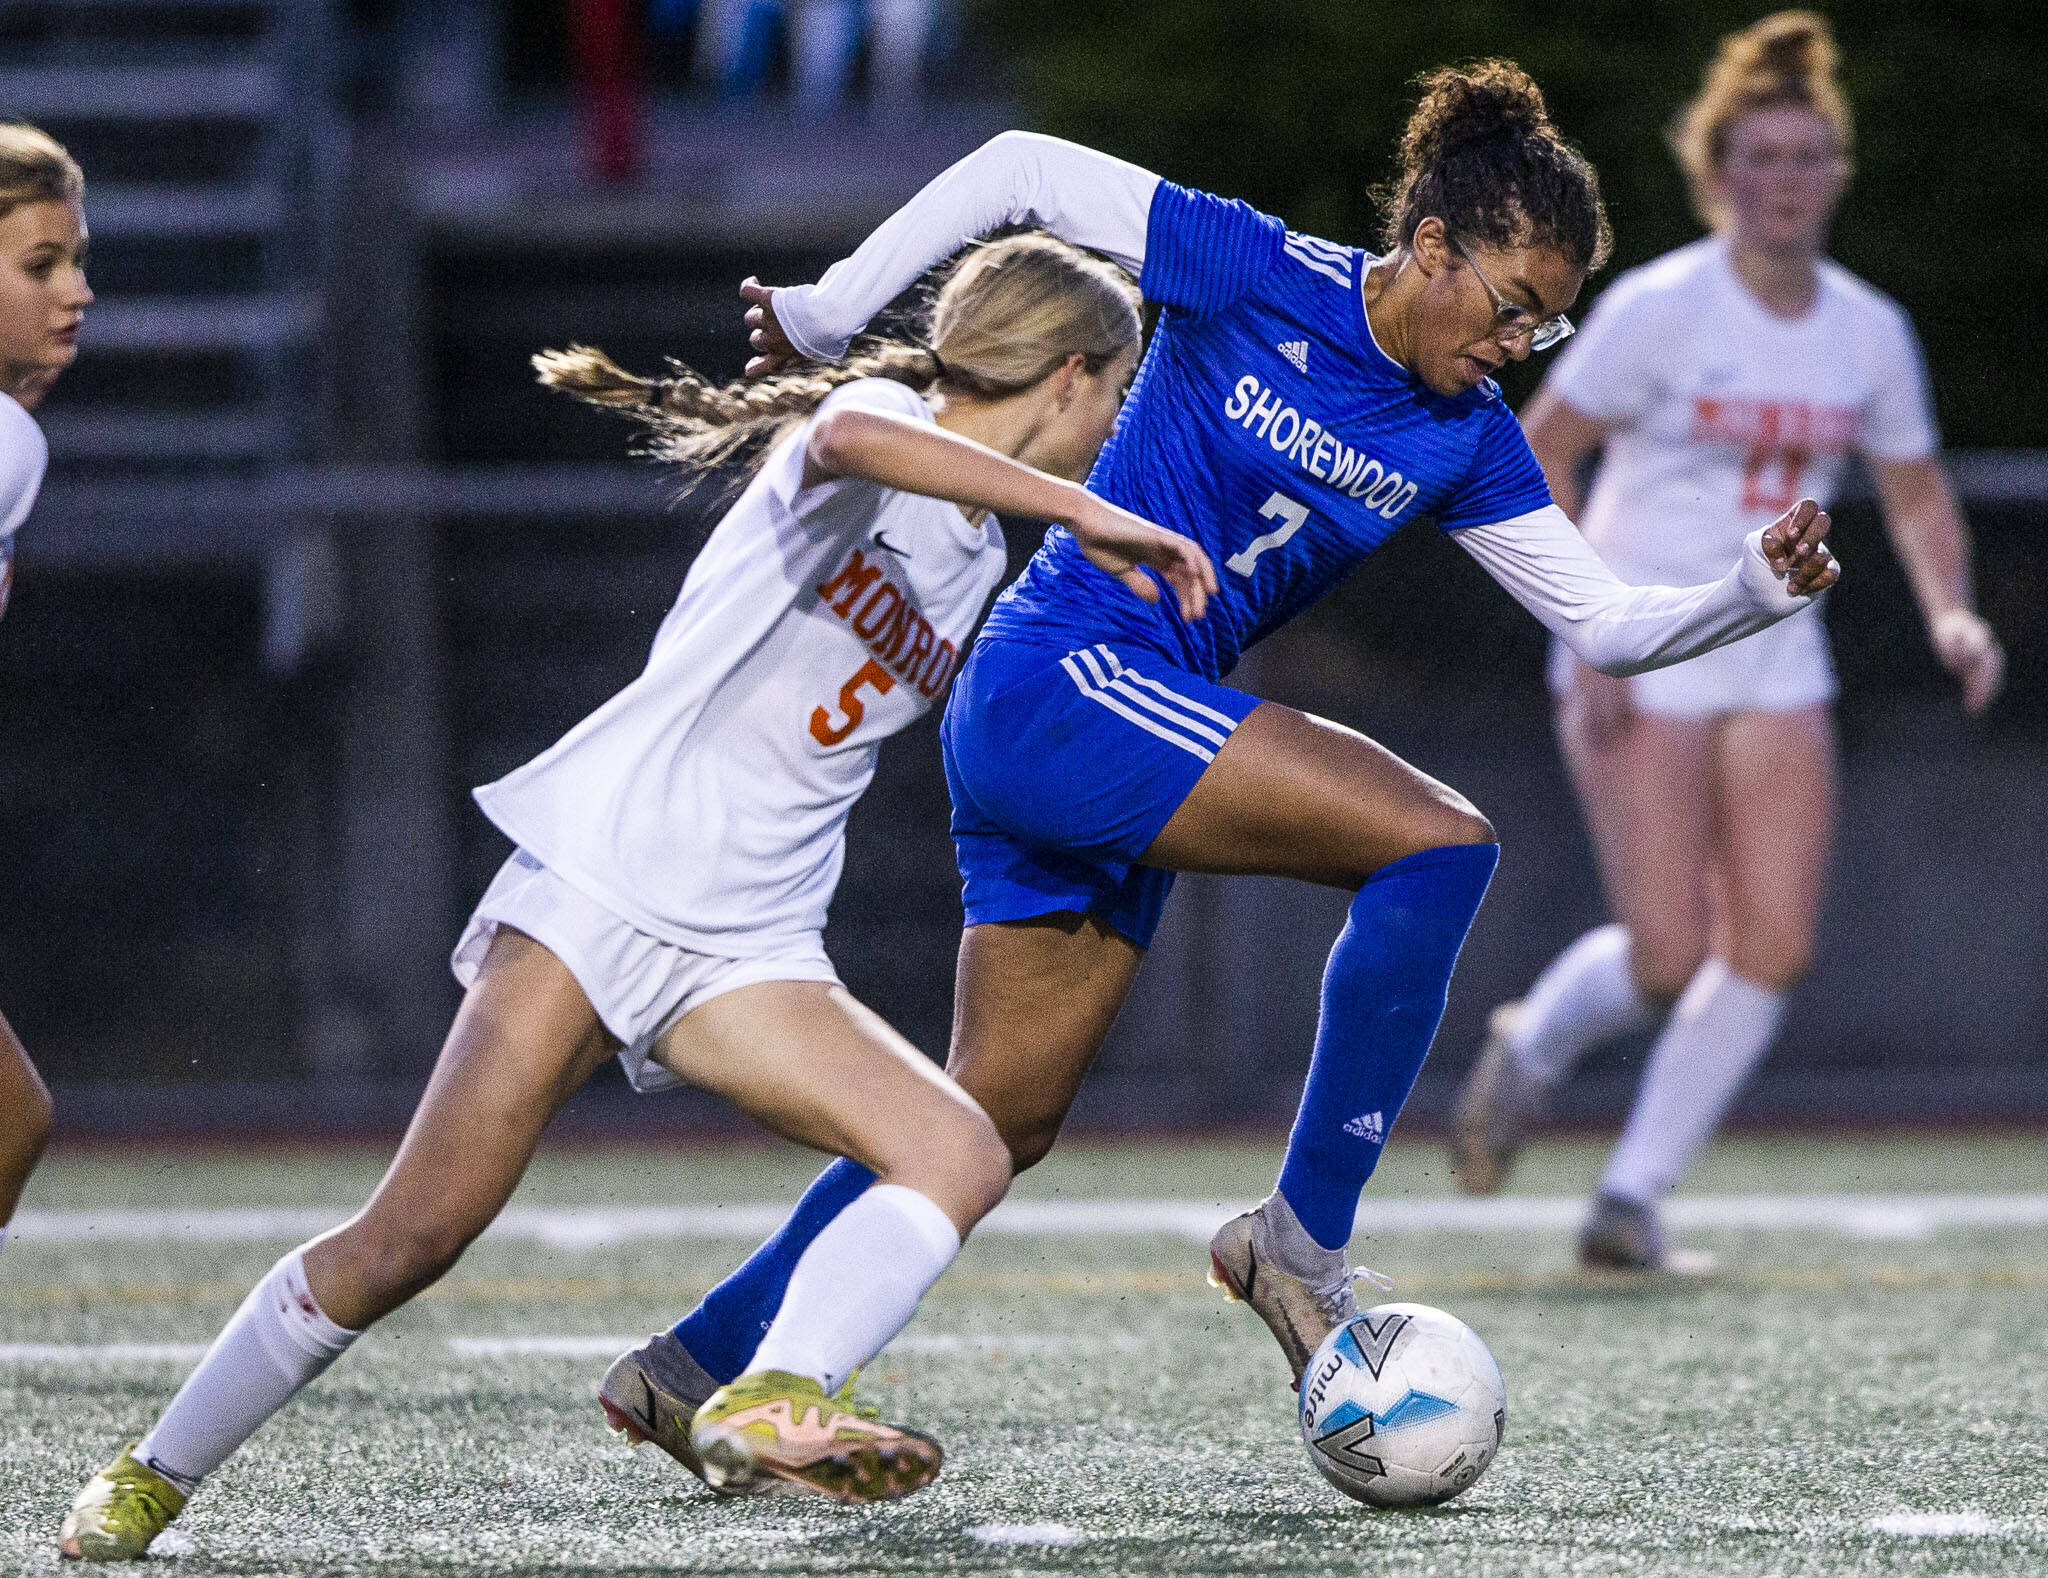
{"x": 1119, "y": 542}
{"x": 1970, "y": 651}
{"x": 1602, "y": 705}
{"x": 772, "y": 350}
{"x": 1794, "y": 545}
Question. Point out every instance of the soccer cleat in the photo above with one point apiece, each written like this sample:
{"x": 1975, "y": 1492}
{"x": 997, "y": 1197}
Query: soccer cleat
{"x": 652, "y": 1394}
{"x": 776, "y": 1426}
{"x": 1499, "y": 1101}
{"x": 1624, "y": 1235}
{"x": 122, "y": 1508}
{"x": 1298, "y": 1314}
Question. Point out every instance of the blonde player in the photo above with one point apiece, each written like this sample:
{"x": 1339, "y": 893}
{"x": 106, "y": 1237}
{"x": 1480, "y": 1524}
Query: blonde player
{"x": 1718, "y": 384}
{"x": 678, "y": 849}
{"x": 43, "y": 297}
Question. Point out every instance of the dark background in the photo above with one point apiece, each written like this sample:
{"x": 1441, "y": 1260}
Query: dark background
{"x": 241, "y": 706}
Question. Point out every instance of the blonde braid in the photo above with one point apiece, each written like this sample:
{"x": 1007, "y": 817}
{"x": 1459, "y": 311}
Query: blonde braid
{"x": 687, "y": 420}
{"x": 1009, "y": 314}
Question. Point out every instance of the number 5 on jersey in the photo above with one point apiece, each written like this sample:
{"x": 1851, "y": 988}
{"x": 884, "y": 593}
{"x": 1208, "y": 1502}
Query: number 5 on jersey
{"x": 851, "y": 708}
{"x": 1291, "y": 516}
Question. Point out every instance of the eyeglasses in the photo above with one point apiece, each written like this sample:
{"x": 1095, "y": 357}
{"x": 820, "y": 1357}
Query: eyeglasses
{"x": 1511, "y": 321}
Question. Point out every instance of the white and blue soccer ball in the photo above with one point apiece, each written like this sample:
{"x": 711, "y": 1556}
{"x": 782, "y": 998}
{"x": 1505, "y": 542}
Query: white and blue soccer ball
{"x": 1402, "y": 1407}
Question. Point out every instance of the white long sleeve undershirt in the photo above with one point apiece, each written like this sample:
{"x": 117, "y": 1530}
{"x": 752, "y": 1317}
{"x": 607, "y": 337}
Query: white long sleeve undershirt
{"x": 1018, "y": 178}
{"x": 1552, "y": 571}
{"x": 1104, "y": 204}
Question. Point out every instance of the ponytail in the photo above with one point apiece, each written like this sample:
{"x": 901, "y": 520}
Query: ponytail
{"x": 1008, "y": 315}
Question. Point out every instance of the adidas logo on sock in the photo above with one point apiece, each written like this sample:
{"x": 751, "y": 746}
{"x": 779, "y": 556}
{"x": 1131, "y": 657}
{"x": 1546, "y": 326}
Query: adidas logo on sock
{"x": 1371, "y": 1126}
{"x": 1296, "y": 351}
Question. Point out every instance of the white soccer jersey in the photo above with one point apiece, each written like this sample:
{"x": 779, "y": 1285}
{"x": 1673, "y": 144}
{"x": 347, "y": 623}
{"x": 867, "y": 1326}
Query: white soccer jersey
{"x": 706, "y": 802}
{"x": 1724, "y": 415}
{"x": 24, "y": 454}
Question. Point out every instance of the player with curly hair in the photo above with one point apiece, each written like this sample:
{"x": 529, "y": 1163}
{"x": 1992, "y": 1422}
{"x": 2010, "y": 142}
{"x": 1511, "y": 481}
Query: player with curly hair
{"x": 1300, "y": 401}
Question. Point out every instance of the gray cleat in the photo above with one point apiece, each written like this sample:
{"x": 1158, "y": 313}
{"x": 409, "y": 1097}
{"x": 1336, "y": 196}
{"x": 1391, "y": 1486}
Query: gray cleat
{"x": 1298, "y": 1314}
{"x": 653, "y": 1393}
{"x": 1621, "y": 1235}
{"x": 1624, "y": 1236}
{"x": 1499, "y": 1102}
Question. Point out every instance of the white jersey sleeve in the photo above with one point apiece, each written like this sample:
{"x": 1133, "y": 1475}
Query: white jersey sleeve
{"x": 1552, "y": 571}
{"x": 1080, "y": 195}
{"x": 1611, "y": 369}
{"x": 785, "y": 481}
{"x": 24, "y": 454}
{"x": 1898, "y": 423}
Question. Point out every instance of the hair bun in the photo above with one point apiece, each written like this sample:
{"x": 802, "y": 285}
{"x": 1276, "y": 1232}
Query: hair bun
{"x": 1793, "y": 44}
{"x": 1486, "y": 101}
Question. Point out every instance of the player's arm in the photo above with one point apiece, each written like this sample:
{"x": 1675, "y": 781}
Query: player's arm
{"x": 1563, "y": 439}
{"x": 1080, "y": 195}
{"x": 1551, "y": 570}
{"x": 916, "y": 457}
{"x": 1927, "y": 530}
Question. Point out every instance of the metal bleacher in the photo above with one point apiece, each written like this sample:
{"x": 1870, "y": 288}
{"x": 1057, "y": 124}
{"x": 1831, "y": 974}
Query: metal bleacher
{"x": 212, "y": 144}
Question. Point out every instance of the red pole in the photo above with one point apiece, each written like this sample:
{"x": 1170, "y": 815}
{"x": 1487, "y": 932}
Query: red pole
{"x": 604, "y": 48}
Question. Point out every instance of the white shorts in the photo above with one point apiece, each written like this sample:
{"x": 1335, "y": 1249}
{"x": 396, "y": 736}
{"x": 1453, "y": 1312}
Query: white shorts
{"x": 639, "y": 985}
{"x": 1777, "y": 670}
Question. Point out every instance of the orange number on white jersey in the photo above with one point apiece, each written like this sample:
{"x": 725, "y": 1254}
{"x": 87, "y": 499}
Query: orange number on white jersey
{"x": 851, "y": 708}
{"x": 1770, "y": 480}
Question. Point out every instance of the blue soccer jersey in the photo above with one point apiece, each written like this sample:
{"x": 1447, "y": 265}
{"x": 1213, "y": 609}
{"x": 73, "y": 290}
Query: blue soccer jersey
{"x": 1266, "y": 424}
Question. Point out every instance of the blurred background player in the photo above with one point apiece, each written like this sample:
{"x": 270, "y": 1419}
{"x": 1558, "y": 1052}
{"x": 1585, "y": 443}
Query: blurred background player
{"x": 677, "y": 853}
{"x": 1716, "y": 385}
{"x": 43, "y": 297}
{"x": 1300, "y": 400}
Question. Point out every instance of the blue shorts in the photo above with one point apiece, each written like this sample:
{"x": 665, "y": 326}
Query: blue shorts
{"x": 1064, "y": 766}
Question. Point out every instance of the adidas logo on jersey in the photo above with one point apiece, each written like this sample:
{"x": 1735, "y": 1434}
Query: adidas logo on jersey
{"x": 1369, "y": 1126}
{"x": 1296, "y": 351}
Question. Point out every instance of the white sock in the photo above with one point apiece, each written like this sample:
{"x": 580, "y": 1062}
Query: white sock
{"x": 1585, "y": 996}
{"x": 277, "y": 1342}
{"x": 858, "y": 1285}
{"x": 1720, "y": 1029}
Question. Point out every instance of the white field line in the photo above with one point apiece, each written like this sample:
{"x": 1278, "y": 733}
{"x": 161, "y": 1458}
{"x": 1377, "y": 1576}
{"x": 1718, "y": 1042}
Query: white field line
{"x": 101, "y": 1353}
{"x": 1025, "y": 1534}
{"x": 573, "y": 1228}
{"x": 1936, "y": 1525}
{"x": 579, "y": 1346}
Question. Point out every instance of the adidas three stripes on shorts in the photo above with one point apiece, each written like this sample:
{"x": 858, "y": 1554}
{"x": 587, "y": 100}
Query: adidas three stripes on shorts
{"x": 1064, "y": 766}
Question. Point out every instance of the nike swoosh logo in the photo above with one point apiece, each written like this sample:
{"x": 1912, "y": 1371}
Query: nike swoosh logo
{"x": 883, "y": 542}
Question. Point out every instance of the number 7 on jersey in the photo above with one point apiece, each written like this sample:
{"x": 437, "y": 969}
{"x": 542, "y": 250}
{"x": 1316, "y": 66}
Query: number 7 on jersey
{"x": 1292, "y": 518}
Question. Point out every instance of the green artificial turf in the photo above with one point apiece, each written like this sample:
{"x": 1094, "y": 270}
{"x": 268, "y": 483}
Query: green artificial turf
{"x": 1765, "y": 1423}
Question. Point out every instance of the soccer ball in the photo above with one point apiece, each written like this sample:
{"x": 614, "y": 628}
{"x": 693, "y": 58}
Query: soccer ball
{"x": 1402, "y": 1407}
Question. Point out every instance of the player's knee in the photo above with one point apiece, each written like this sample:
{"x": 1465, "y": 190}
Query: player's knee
{"x": 1029, "y": 1142}
{"x": 985, "y": 1167}
{"x": 1468, "y": 825}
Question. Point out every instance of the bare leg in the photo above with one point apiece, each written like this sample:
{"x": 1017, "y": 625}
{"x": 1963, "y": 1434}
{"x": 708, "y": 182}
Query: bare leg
{"x": 819, "y": 1067}
{"x": 524, "y": 1039}
{"x": 25, "y": 1129}
{"x": 1649, "y": 802}
{"x": 1773, "y": 781}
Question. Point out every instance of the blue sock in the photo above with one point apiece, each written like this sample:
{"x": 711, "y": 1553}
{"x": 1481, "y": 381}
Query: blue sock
{"x": 723, "y": 1331}
{"x": 1383, "y": 995}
